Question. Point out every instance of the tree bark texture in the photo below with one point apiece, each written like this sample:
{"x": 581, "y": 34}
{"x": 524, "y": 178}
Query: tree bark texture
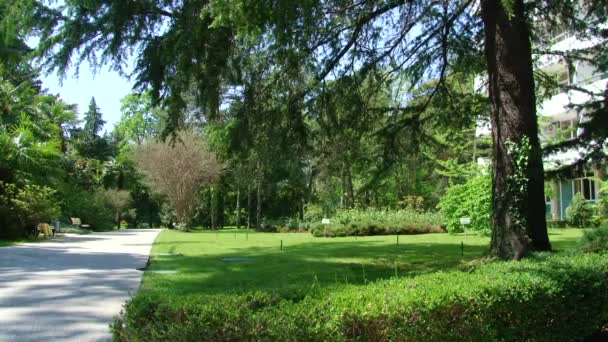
{"x": 348, "y": 191}
{"x": 518, "y": 210}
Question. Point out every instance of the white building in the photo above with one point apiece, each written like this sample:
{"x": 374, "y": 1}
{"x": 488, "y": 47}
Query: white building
{"x": 558, "y": 121}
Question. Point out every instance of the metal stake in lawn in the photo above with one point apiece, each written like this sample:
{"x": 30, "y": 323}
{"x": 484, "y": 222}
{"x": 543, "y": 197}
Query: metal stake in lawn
{"x": 281, "y": 244}
{"x": 397, "y": 240}
{"x": 464, "y": 221}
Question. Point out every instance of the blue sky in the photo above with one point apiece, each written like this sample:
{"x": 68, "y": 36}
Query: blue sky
{"x": 106, "y": 86}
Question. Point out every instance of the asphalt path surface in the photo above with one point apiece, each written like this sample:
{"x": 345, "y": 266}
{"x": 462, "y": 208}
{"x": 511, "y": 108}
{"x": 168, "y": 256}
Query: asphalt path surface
{"x": 71, "y": 287}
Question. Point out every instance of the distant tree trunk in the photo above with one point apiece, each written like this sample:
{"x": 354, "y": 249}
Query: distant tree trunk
{"x": 599, "y": 174}
{"x": 398, "y": 187}
{"x": 213, "y": 207}
{"x": 258, "y": 211}
{"x": 518, "y": 217}
{"x": 350, "y": 192}
{"x": 302, "y": 208}
{"x": 220, "y": 205}
{"x": 238, "y": 207}
{"x": 248, "y": 205}
{"x": 411, "y": 175}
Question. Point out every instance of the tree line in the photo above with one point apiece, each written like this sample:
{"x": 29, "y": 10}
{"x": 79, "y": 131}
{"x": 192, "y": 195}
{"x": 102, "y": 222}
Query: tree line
{"x": 364, "y": 89}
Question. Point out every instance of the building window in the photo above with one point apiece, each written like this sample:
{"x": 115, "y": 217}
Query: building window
{"x": 587, "y": 73}
{"x": 566, "y": 129}
{"x": 586, "y": 187}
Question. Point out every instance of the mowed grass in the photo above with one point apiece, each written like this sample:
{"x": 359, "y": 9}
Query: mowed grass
{"x": 202, "y": 264}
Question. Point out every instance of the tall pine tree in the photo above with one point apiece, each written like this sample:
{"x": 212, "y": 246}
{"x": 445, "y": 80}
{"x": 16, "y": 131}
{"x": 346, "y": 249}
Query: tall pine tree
{"x": 93, "y": 120}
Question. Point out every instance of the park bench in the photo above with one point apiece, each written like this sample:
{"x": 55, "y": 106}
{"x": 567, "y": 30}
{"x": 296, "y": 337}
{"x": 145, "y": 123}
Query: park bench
{"x": 76, "y": 222}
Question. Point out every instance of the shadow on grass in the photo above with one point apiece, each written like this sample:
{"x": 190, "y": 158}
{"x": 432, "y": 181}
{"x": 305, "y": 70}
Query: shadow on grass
{"x": 302, "y": 266}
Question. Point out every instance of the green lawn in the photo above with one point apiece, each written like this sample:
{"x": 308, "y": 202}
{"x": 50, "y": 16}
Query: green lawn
{"x": 305, "y": 262}
{"x": 4, "y": 243}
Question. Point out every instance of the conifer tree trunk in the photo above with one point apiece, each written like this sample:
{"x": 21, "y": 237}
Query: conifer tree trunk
{"x": 248, "y": 205}
{"x": 238, "y": 207}
{"x": 220, "y": 205}
{"x": 258, "y": 211}
{"x": 348, "y": 193}
{"x": 518, "y": 208}
{"x": 213, "y": 207}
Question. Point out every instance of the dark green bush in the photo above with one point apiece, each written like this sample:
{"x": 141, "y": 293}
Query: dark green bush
{"x": 472, "y": 199}
{"x": 595, "y": 240}
{"x": 22, "y": 208}
{"x": 88, "y": 207}
{"x": 547, "y": 298}
{"x": 557, "y": 223}
{"x": 580, "y": 211}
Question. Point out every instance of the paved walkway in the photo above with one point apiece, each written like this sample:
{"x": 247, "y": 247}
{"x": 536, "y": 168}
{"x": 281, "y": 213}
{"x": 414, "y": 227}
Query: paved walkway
{"x": 69, "y": 288}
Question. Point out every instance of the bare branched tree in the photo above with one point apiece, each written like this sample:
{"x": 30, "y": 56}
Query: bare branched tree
{"x": 178, "y": 170}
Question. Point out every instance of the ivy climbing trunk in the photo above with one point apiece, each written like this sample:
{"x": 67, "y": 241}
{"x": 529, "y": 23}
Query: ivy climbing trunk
{"x": 518, "y": 207}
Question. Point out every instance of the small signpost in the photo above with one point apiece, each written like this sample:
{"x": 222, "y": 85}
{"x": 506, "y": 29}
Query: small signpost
{"x": 325, "y": 221}
{"x": 464, "y": 221}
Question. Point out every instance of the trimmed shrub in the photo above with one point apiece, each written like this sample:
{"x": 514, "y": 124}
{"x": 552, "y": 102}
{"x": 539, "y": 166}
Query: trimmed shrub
{"x": 547, "y": 298}
{"x": 472, "y": 199}
{"x": 354, "y": 222}
{"x": 595, "y": 240}
{"x": 579, "y": 212}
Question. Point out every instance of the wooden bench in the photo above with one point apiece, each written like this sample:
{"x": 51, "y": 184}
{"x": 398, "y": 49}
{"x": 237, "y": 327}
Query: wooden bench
{"x": 76, "y": 222}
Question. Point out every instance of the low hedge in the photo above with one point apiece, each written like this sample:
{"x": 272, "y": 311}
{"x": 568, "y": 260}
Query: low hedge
{"x": 359, "y": 222}
{"x": 362, "y": 229}
{"x": 545, "y": 298}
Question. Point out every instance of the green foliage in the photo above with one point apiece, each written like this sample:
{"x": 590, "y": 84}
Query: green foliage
{"x": 544, "y": 298}
{"x": 595, "y": 240}
{"x": 580, "y": 211}
{"x": 517, "y": 183}
{"x": 313, "y": 213}
{"x": 27, "y": 206}
{"x": 602, "y": 204}
{"x": 355, "y": 222}
{"x": 139, "y": 120}
{"x": 118, "y": 200}
{"x": 168, "y": 218}
{"x": 88, "y": 206}
{"x": 472, "y": 199}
